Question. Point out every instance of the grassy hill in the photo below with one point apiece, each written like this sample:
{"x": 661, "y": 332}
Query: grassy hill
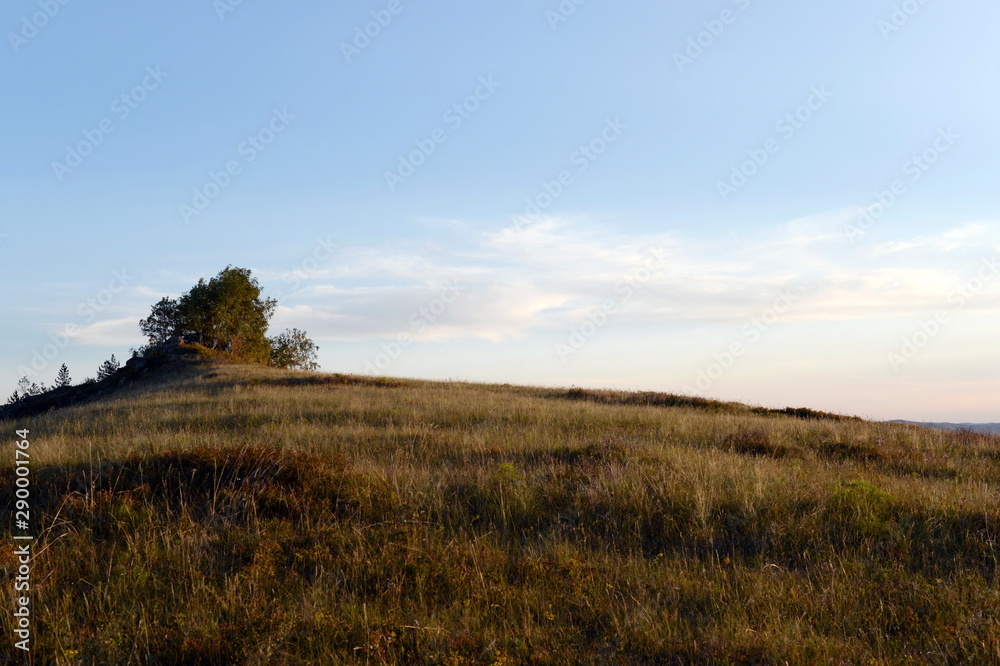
{"x": 213, "y": 513}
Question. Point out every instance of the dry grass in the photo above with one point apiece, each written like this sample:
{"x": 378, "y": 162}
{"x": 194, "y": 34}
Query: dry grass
{"x": 222, "y": 514}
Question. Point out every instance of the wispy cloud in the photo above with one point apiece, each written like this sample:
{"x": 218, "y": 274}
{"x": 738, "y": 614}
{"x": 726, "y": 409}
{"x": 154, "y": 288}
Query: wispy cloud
{"x": 547, "y": 275}
{"x": 108, "y": 333}
{"x": 980, "y": 236}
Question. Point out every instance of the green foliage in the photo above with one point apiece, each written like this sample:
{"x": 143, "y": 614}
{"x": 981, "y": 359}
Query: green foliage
{"x": 507, "y": 471}
{"x": 292, "y": 349}
{"x": 108, "y": 368}
{"x": 861, "y": 509}
{"x": 228, "y": 314}
{"x": 163, "y": 322}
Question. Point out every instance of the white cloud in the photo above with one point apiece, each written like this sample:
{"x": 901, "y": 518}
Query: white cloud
{"x": 108, "y": 333}
{"x": 978, "y": 236}
{"x": 546, "y": 276}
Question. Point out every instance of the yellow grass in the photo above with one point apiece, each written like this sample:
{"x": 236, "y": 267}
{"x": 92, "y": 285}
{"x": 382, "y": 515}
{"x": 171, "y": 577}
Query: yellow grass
{"x": 218, "y": 513}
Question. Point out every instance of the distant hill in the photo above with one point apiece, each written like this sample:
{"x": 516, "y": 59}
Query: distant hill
{"x": 993, "y": 428}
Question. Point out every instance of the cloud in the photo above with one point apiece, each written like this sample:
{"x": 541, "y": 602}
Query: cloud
{"x": 976, "y": 236}
{"x": 548, "y": 275}
{"x": 108, "y": 333}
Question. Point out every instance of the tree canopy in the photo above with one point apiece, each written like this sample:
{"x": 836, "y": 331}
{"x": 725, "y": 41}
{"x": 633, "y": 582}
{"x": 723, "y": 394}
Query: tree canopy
{"x": 63, "y": 379}
{"x": 227, "y": 313}
{"x": 108, "y": 368}
{"x": 293, "y": 349}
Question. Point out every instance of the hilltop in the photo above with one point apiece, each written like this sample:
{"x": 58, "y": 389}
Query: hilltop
{"x": 200, "y": 510}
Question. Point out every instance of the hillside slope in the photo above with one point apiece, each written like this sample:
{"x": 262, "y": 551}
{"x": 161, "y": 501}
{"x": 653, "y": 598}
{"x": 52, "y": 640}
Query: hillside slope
{"x": 215, "y": 513}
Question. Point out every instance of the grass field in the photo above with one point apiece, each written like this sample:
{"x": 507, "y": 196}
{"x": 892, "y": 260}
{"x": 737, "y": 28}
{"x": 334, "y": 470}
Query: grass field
{"x": 217, "y": 513}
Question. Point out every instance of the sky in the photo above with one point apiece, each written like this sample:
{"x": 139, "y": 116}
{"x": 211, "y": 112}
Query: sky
{"x": 785, "y": 204}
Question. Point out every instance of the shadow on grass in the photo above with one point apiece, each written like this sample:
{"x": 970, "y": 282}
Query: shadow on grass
{"x": 238, "y": 483}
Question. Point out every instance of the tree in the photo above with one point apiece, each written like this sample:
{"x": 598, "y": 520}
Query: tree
{"x": 29, "y": 389}
{"x": 293, "y": 349}
{"x": 108, "y": 368}
{"x": 227, "y": 313}
{"x": 25, "y": 389}
{"x": 162, "y": 323}
{"x": 63, "y": 378}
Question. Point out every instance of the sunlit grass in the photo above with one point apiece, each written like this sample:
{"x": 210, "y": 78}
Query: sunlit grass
{"x": 232, "y": 514}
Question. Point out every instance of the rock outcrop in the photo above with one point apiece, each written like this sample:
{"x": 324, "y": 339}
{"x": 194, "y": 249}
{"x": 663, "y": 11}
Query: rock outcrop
{"x": 173, "y": 351}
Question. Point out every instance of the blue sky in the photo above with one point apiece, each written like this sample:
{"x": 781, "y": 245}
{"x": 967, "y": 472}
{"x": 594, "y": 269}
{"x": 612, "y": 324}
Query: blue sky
{"x": 785, "y": 205}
